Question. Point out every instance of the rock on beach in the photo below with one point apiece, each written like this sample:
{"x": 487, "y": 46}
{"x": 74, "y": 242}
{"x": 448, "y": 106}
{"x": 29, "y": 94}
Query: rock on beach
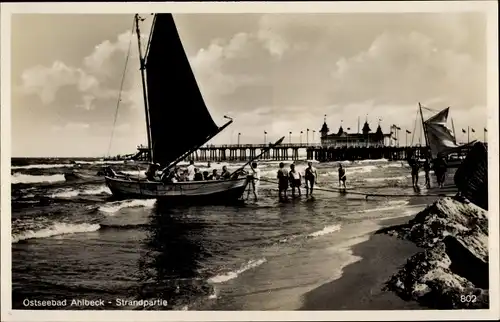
{"x": 452, "y": 272}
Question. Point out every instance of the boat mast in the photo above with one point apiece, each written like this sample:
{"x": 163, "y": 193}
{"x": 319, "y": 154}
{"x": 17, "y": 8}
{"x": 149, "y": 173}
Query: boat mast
{"x": 423, "y": 125}
{"x": 144, "y": 91}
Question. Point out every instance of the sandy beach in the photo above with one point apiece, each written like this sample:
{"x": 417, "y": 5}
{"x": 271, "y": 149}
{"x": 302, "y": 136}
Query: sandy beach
{"x": 361, "y": 284}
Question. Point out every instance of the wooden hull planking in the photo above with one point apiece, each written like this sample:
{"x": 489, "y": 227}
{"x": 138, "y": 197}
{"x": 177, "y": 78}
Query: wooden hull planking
{"x": 191, "y": 190}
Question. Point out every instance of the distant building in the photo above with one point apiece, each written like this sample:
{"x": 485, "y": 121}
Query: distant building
{"x": 345, "y": 139}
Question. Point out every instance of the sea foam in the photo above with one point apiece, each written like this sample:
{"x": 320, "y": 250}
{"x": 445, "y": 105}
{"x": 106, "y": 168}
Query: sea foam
{"x": 41, "y": 166}
{"x": 115, "y": 206}
{"x": 27, "y": 178}
{"x": 325, "y": 231}
{"x": 54, "y": 230}
{"x": 233, "y": 274}
{"x": 71, "y": 192}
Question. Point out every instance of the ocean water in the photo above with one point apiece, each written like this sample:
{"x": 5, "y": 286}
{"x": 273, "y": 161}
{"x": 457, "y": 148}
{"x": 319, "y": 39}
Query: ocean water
{"x": 71, "y": 240}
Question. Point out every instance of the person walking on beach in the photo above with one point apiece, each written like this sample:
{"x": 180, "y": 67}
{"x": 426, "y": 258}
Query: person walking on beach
{"x": 414, "y": 171}
{"x": 311, "y": 177}
{"x": 254, "y": 180}
{"x": 342, "y": 177}
{"x": 295, "y": 180}
{"x": 427, "y": 169}
{"x": 282, "y": 181}
{"x": 440, "y": 167}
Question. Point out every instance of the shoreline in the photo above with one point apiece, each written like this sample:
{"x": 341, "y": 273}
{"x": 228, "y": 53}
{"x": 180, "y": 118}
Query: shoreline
{"x": 361, "y": 285}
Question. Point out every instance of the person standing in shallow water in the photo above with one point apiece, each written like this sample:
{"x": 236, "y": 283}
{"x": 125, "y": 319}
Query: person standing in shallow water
{"x": 415, "y": 166}
{"x": 254, "y": 180}
{"x": 311, "y": 177}
{"x": 342, "y": 177}
{"x": 282, "y": 181}
{"x": 295, "y": 180}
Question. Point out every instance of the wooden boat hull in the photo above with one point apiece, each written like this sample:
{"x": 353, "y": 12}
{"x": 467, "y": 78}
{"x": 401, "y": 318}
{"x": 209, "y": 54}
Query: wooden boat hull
{"x": 198, "y": 191}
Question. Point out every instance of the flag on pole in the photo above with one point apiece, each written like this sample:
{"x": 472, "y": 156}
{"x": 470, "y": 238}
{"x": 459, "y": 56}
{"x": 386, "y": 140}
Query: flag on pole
{"x": 464, "y": 131}
{"x": 408, "y": 132}
{"x": 485, "y": 130}
{"x": 472, "y": 130}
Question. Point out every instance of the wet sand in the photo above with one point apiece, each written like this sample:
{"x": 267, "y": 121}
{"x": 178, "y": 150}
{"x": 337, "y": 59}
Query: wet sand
{"x": 361, "y": 284}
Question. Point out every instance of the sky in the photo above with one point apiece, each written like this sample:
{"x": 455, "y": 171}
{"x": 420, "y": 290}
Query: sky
{"x": 277, "y": 73}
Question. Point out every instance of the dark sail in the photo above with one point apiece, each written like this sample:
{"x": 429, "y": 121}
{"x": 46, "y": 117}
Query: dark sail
{"x": 179, "y": 118}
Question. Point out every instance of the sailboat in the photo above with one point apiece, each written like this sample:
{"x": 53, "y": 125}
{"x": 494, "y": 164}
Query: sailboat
{"x": 440, "y": 139}
{"x": 177, "y": 121}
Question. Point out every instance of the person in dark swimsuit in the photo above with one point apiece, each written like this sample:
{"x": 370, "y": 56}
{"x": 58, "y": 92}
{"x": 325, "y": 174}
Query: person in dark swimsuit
{"x": 311, "y": 177}
{"x": 342, "y": 177}
{"x": 427, "y": 169}
{"x": 415, "y": 166}
{"x": 198, "y": 176}
{"x": 282, "y": 181}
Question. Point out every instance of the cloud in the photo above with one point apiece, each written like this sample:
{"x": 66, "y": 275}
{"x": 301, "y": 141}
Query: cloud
{"x": 71, "y": 127}
{"x": 283, "y": 72}
{"x": 98, "y": 78}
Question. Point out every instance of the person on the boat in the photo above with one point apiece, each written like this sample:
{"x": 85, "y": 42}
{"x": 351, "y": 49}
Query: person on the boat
{"x": 151, "y": 172}
{"x": 282, "y": 181}
{"x": 197, "y": 175}
{"x": 295, "y": 180}
{"x": 225, "y": 174}
{"x": 205, "y": 175}
{"x": 342, "y": 177}
{"x": 214, "y": 175}
{"x": 254, "y": 177}
{"x": 427, "y": 169}
{"x": 311, "y": 177}
{"x": 190, "y": 170}
{"x": 183, "y": 176}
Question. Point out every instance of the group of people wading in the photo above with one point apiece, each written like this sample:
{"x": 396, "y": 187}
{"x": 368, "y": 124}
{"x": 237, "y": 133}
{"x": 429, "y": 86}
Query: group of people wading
{"x": 293, "y": 179}
{"x": 439, "y": 165}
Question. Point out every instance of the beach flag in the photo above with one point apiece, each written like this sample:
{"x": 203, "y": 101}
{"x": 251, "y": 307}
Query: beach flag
{"x": 408, "y": 132}
{"x": 472, "y": 130}
{"x": 464, "y": 131}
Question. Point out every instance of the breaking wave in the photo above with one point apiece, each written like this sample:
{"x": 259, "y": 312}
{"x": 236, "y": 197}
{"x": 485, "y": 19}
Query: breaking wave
{"x": 325, "y": 231}
{"x": 54, "y": 230}
{"x": 41, "y": 166}
{"x": 69, "y": 193}
{"x": 115, "y": 206}
{"x": 27, "y": 178}
{"x": 233, "y": 274}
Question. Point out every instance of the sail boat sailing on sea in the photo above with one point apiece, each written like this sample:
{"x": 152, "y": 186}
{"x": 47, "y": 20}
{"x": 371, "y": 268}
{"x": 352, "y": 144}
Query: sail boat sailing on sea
{"x": 170, "y": 93}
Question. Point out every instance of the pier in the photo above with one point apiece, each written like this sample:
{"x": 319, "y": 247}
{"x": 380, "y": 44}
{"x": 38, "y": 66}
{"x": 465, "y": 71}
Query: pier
{"x": 290, "y": 151}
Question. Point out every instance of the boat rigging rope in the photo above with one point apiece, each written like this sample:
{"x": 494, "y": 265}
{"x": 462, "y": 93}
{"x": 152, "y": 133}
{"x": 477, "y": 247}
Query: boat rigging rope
{"x": 414, "y": 129}
{"x": 337, "y": 190}
{"x": 121, "y": 88}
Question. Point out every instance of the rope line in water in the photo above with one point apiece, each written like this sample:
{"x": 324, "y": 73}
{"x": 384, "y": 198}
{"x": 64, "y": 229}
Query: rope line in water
{"x": 337, "y": 190}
